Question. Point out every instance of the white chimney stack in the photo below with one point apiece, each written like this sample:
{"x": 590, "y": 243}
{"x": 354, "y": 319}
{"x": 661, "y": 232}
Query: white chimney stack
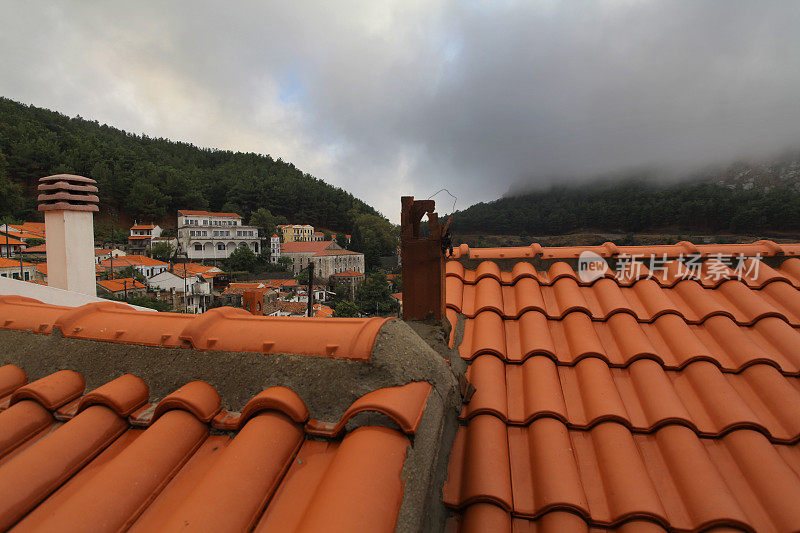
{"x": 68, "y": 203}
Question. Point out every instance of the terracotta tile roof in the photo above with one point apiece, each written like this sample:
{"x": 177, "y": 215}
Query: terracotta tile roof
{"x": 223, "y": 328}
{"x": 122, "y": 462}
{"x": 195, "y": 269}
{"x": 5, "y": 262}
{"x": 10, "y": 241}
{"x": 348, "y": 274}
{"x": 336, "y": 252}
{"x": 121, "y": 284}
{"x": 186, "y": 212}
{"x": 764, "y": 247}
{"x": 31, "y": 227}
{"x": 295, "y": 308}
{"x": 139, "y": 237}
{"x": 660, "y": 401}
{"x": 305, "y": 246}
{"x": 132, "y": 260}
{"x": 322, "y": 311}
{"x": 240, "y": 288}
{"x": 144, "y": 226}
{"x": 41, "y": 267}
{"x": 39, "y": 248}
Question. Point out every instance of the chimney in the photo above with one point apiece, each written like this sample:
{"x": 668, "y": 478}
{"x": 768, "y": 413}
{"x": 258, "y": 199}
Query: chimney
{"x": 423, "y": 261}
{"x": 68, "y": 203}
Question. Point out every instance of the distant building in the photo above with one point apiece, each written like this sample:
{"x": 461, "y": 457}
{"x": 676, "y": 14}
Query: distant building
{"x": 274, "y": 248}
{"x": 206, "y": 235}
{"x": 146, "y": 266}
{"x": 349, "y": 279}
{"x": 121, "y": 287}
{"x": 12, "y": 268}
{"x": 190, "y": 285}
{"x": 296, "y": 232}
{"x": 328, "y": 257}
{"x": 141, "y": 235}
{"x": 101, "y": 254}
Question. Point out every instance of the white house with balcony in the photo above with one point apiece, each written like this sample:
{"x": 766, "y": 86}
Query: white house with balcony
{"x": 141, "y": 235}
{"x": 206, "y": 235}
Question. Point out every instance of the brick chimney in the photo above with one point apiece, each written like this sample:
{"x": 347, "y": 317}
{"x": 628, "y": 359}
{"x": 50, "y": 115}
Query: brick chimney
{"x": 423, "y": 261}
{"x": 68, "y": 203}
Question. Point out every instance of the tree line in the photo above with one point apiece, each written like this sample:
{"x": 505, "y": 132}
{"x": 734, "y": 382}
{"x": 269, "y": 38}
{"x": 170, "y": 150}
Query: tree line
{"x": 635, "y": 206}
{"x": 150, "y": 179}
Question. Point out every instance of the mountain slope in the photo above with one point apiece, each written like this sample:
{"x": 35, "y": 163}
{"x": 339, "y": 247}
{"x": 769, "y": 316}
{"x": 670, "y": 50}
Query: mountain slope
{"x": 739, "y": 199}
{"x": 150, "y": 179}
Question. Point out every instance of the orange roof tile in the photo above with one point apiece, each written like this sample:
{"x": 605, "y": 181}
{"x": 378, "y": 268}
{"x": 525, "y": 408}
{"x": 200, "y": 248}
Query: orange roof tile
{"x": 223, "y": 328}
{"x": 305, "y": 246}
{"x": 41, "y": 267}
{"x": 132, "y": 260}
{"x": 6, "y": 240}
{"x": 39, "y": 248}
{"x": 657, "y": 396}
{"x": 186, "y": 212}
{"x": 239, "y": 288}
{"x": 5, "y": 262}
{"x": 398, "y": 295}
{"x": 121, "y": 284}
{"x": 123, "y": 462}
{"x": 348, "y": 274}
{"x": 144, "y": 226}
{"x": 322, "y": 311}
{"x": 139, "y": 237}
{"x": 295, "y": 308}
{"x": 765, "y": 248}
{"x": 336, "y": 252}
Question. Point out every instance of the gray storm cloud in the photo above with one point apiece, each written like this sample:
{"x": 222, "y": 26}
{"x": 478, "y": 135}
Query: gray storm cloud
{"x": 406, "y": 97}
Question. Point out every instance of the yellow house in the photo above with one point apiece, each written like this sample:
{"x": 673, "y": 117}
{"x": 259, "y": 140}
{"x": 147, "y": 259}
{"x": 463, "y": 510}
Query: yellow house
{"x": 296, "y": 232}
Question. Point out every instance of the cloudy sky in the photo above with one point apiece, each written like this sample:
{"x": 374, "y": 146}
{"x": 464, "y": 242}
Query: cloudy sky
{"x": 406, "y": 97}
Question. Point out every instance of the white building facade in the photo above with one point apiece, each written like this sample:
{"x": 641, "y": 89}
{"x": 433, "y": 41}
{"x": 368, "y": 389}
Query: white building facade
{"x": 205, "y": 235}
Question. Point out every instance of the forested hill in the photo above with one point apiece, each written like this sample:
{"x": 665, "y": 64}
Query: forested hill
{"x": 150, "y": 179}
{"x": 637, "y": 206}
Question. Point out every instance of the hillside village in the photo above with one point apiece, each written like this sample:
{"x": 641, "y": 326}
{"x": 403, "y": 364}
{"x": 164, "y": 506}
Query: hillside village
{"x": 189, "y": 269}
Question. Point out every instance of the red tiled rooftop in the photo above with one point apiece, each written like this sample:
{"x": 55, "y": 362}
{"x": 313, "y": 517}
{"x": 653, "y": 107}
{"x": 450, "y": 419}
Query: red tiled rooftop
{"x": 120, "y": 284}
{"x": 6, "y": 240}
{"x": 144, "y": 226}
{"x": 645, "y": 399}
{"x": 39, "y": 248}
{"x": 186, "y": 212}
{"x": 336, "y": 252}
{"x": 5, "y": 262}
{"x": 120, "y": 462}
{"x": 139, "y": 237}
{"x": 305, "y": 246}
{"x": 241, "y": 287}
{"x": 765, "y": 248}
{"x": 348, "y": 274}
{"x": 223, "y": 328}
{"x": 132, "y": 260}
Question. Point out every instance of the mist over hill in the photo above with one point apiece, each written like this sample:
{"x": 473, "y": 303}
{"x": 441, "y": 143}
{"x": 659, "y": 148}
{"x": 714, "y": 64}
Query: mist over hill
{"x": 761, "y": 195}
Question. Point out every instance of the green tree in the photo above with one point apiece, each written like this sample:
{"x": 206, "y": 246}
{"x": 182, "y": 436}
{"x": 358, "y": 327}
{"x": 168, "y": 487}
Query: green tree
{"x": 302, "y": 277}
{"x": 373, "y": 295}
{"x": 163, "y": 251}
{"x": 265, "y": 221}
{"x": 286, "y": 262}
{"x": 375, "y": 237}
{"x": 242, "y": 259}
{"x": 341, "y": 240}
{"x": 343, "y": 308}
{"x": 33, "y": 242}
{"x": 146, "y": 201}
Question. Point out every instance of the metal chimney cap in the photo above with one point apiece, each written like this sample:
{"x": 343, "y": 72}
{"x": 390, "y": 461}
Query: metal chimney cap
{"x": 67, "y": 192}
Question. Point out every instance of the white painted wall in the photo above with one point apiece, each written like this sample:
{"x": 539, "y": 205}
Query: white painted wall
{"x": 70, "y": 251}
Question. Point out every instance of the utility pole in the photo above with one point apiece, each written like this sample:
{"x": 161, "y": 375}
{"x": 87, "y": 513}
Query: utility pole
{"x": 21, "y": 277}
{"x": 185, "y": 288}
{"x": 311, "y": 288}
{"x": 125, "y": 288}
{"x": 112, "y": 265}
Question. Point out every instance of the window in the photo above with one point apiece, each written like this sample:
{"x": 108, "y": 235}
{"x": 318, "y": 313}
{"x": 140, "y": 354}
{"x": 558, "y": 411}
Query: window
{"x": 198, "y": 247}
{"x": 220, "y": 246}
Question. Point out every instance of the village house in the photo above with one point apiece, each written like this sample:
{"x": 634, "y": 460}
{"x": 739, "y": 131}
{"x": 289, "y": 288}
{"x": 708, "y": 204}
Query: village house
{"x": 206, "y": 235}
{"x": 101, "y": 254}
{"x": 328, "y": 257}
{"x": 121, "y": 287}
{"x": 296, "y": 232}
{"x": 146, "y": 266}
{"x": 349, "y": 280}
{"x": 141, "y": 236}
{"x": 13, "y": 268}
{"x": 187, "y": 284}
